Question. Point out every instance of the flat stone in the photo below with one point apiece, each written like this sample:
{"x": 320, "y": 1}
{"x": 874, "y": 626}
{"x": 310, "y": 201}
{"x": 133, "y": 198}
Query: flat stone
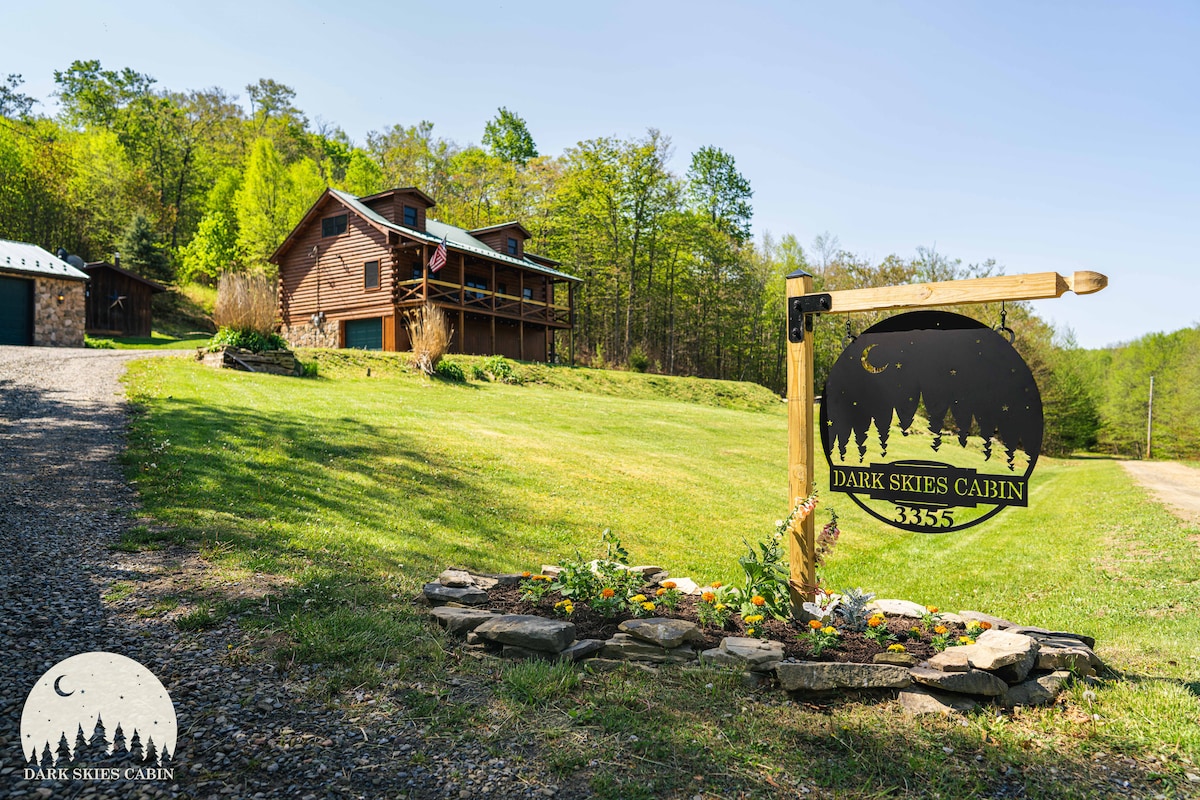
{"x": 455, "y": 578}
{"x": 1009, "y": 655}
{"x": 756, "y": 680}
{"x": 974, "y": 681}
{"x": 1071, "y": 659}
{"x": 483, "y": 582}
{"x": 664, "y": 632}
{"x": 581, "y": 649}
{"x": 526, "y": 630}
{"x": 508, "y": 578}
{"x": 624, "y": 646}
{"x": 648, "y": 571}
{"x": 717, "y": 657}
{"x": 998, "y": 623}
{"x": 1038, "y": 691}
{"x": 953, "y": 659}
{"x": 551, "y": 570}
{"x": 686, "y": 586}
{"x": 898, "y": 608}
{"x": 754, "y": 653}
{"x": 918, "y": 700}
{"x": 1042, "y": 633}
{"x": 950, "y": 618}
{"x": 440, "y": 595}
{"x": 817, "y": 676}
{"x": 460, "y": 620}
{"x": 518, "y": 653}
{"x": 897, "y": 659}
{"x": 474, "y": 638}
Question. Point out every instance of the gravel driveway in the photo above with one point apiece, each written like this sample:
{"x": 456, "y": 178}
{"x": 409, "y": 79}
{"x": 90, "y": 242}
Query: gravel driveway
{"x": 244, "y": 731}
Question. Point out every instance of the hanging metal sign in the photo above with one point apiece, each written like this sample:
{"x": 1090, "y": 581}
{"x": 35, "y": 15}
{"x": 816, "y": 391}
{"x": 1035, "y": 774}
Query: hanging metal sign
{"x": 965, "y": 406}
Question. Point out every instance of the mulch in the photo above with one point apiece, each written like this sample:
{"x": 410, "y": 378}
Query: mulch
{"x": 853, "y": 648}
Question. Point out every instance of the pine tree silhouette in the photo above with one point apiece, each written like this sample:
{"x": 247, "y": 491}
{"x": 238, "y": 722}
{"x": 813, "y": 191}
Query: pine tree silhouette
{"x": 135, "y": 748}
{"x": 47, "y": 757}
{"x": 119, "y": 753}
{"x": 33, "y": 762}
{"x": 63, "y": 757}
{"x": 81, "y": 748}
{"x": 98, "y": 744}
{"x": 151, "y": 758}
{"x": 164, "y": 757}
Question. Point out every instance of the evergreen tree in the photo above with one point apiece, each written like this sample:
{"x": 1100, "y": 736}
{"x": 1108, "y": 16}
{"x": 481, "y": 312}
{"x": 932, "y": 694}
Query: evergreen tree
{"x": 47, "y": 757}
{"x": 142, "y": 253}
{"x": 164, "y": 757}
{"x": 135, "y": 748}
{"x": 82, "y": 754}
{"x": 119, "y": 753}
{"x": 63, "y": 756}
{"x": 151, "y": 753}
{"x": 98, "y": 744}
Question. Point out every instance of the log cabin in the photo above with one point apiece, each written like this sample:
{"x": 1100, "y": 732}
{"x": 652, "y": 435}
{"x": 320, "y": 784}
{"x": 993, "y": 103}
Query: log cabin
{"x": 353, "y": 267}
{"x": 118, "y": 301}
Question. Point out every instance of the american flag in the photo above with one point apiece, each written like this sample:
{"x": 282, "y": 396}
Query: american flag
{"x": 438, "y": 260}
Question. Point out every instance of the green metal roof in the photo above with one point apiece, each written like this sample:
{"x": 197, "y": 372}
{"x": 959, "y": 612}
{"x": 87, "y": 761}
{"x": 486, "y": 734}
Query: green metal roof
{"x": 456, "y": 238}
{"x": 24, "y": 257}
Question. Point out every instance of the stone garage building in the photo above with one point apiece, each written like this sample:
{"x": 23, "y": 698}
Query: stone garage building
{"x": 41, "y": 297}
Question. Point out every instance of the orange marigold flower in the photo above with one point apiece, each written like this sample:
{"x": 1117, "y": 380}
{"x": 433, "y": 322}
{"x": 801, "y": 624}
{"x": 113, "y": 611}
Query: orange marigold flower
{"x": 815, "y": 624}
{"x": 607, "y": 593}
{"x": 931, "y": 609}
{"x": 941, "y": 630}
{"x": 660, "y": 592}
{"x": 526, "y": 574}
{"x": 708, "y": 597}
{"x": 874, "y": 622}
{"x": 987, "y": 626}
{"x": 758, "y": 600}
{"x": 717, "y": 584}
{"x": 669, "y": 584}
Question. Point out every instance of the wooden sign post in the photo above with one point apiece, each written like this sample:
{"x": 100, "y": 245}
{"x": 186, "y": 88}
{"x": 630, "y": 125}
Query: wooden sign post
{"x": 803, "y": 305}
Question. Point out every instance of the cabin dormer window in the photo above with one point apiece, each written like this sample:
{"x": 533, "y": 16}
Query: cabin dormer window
{"x": 512, "y": 246}
{"x": 410, "y": 216}
{"x": 333, "y": 226}
{"x": 371, "y": 275}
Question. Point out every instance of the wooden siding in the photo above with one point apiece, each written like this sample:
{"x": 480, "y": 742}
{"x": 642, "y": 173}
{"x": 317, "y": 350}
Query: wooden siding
{"x": 339, "y": 266}
{"x": 130, "y": 316}
{"x": 498, "y": 240}
{"x": 385, "y": 207}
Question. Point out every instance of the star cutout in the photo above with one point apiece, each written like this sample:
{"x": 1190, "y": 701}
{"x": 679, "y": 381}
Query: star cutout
{"x": 1004, "y": 408}
{"x": 899, "y": 365}
{"x": 953, "y": 372}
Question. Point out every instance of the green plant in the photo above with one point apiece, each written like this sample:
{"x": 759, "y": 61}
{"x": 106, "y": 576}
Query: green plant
{"x": 450, "y": 371}
{"x": 941, "y": 638}
{"x": 536, "y": 682}
{"x": 535, "y": 587}
{"x": 577, "y": 580}
{"x": 309, "y": 369}
{"x": 638, "y": 360}
{"x": 668, "y": 595}
{"x": 564, "y": 608}
{"x": 98, "y": 344}
{"x": 198, "y": 620}
{"x": 821, "y": 637}
{"x": 753, "y": 623}
{"x": 478, "y": 373}
{"x": 641, "y": 606}
{"x": 766, "y": 576}
{"x": 877, "y": 630}
{"x": 852, "y": 610}
{"x": 497, "y": 368}
{"x": 246, "y": 339}
{"x": 609, "y": 603}
{"x": 931, "y": 618}
{"x": 716, "y": 605}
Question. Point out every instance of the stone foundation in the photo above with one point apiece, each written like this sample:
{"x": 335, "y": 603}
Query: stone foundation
{"x": 309, "y": 335}
{"x": 58, "y": 324}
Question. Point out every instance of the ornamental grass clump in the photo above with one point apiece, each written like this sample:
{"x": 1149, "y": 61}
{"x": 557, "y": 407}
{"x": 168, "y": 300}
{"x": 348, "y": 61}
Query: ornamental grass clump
{"x": 245, "y": 314}
{"x": 430, "y": 333}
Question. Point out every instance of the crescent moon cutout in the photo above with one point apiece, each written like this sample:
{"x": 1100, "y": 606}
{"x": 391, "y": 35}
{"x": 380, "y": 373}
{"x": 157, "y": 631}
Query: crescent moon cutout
{"x": 866, "y": 361}
{"x": 58, "y": 690}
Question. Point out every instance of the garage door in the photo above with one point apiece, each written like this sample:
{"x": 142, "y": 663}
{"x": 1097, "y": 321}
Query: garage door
{"x": 365, "y": 334}
{"x": 16, "y": 311}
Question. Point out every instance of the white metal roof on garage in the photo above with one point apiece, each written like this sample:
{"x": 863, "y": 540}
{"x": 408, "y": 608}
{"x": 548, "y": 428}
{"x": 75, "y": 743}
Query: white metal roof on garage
{"x": 24, "y": 257}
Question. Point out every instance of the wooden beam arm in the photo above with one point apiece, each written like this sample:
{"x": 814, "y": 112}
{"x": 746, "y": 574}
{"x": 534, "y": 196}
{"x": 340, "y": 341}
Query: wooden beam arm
{"x": 1035, "y": 286}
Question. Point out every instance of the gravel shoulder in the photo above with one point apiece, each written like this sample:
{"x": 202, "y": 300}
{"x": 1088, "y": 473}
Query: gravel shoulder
{"x": 1175, "y": 485}
{"x": 244, "y": 729}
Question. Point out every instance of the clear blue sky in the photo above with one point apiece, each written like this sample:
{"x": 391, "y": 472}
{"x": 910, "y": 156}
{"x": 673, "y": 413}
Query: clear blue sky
{"x": 1049, "y": 136}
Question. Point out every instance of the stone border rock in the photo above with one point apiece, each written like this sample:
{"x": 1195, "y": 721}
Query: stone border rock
{"x": 1009, "y": 665}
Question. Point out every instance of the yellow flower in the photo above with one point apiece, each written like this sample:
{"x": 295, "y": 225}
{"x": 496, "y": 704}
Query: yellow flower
{"x": 895, "y": 648}
{"x": 750, "y": 631}
{"x": 720, "y": 606}
{"x": 758, "y": 600}
{"x": 660, "y": 592}
{"x": 829, "y": 630}
{"x": 815, "y": 624}
{"x": 753, "y": 618}
{"x": 941, "y": 630}
{"x": 607, "y": 593}
{"x": 931, "y": 609}
{"x": 638, "y": 598}
{"x": 648, "y": 606}
{"x": 708, "y": 597}
{"x": 669, "y": 584}
{"x": 965, "y": 640}
{"x": 716, "y": 584}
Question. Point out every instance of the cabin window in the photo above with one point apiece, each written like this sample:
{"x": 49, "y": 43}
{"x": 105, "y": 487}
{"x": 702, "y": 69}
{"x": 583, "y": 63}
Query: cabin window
{"x": 417, "y": 273}
{"x": 371, "y": 275}
{"x": 512, "y": 246}
{"x": 410, "y": 216}
{"x": 527, "y": 292}
{"x": 476, "y": 283}
{"x": 502, "y": 288}
{"x": 333, "y": 226}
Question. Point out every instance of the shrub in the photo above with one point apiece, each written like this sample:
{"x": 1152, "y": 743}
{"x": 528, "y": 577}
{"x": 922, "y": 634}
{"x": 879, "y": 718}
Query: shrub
{"x": 497, "y": 368}
{"x": 450, "y": 371}
{"x": 638, "y": 360}
{"x": 245, "y": 339}
{"x": 309, "y": 370}
{"x": 429, "y": 332}
{"x": 246, "y": 302}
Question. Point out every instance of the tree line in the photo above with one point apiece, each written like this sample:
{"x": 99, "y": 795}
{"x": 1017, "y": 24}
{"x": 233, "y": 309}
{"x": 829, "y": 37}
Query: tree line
{"x": 190, "y": 184}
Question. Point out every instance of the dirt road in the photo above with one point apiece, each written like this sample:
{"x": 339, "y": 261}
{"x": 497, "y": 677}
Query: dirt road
{"x": 1175, "y": 485}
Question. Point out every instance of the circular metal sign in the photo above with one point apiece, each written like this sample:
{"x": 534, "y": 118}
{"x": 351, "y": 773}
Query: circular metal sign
{"x": 931, "y": 422}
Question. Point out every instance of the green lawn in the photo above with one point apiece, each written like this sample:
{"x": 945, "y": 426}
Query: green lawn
{"x": 155, "y": 341}
{"x": 356, "y": 489}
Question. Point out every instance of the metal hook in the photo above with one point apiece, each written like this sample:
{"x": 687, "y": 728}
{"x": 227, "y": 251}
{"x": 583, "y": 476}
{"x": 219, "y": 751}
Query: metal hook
{"x": 1003, "y": 328}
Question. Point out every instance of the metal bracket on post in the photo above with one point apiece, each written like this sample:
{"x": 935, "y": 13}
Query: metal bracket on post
{"x": 800, "y": 313}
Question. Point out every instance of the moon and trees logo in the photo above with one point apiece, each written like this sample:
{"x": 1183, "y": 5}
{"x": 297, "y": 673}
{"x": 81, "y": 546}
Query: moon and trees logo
{"x": 98, "y": 716}
{"x": 931, "y": 376}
